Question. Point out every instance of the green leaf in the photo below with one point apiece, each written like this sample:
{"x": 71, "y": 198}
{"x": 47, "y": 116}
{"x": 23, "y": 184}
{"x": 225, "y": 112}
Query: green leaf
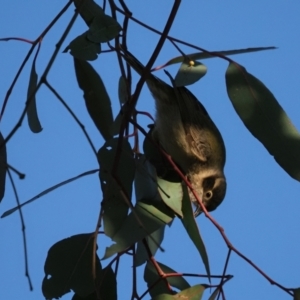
{"x": 193, "y": 293}
{"x": 189, "y": 74}
{"x": 3, "y": 166}
{"x": 114, "y": 205}
{"x": 103, "y": 29}
{"x": 146, "y": 219}
{"x": 69, "y": 266}
{"x": 151, "y": 276}
{"x": 88, "y": 10}
{"x": 154, "y": 241}
{"x": 83, "y": 49}
{"x": 264, "y": 118}
{"x": 32, "y": 116}
{"x": 204, "y": 55}
{"x": 145, "y": 183}
{"x": 192, "y": 229}
{"x": 96, "y": 98}
{"x": 52, "y": 188}
{"x": 171, "y": 194}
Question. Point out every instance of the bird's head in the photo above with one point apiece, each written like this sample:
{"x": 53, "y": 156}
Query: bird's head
{"x": 210, "y": 188}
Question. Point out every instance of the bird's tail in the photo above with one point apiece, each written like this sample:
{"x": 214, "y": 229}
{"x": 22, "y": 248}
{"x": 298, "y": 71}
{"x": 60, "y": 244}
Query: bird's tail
{"x": 134, "y": 62}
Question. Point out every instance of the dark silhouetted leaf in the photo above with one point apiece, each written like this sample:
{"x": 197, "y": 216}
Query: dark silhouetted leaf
{"x": 117, "y": 123}
{"x": 33, "y": 119}
{"x": 145, "y": 183}
{"x": 151, "y": 276}
{"x": 171, "y": 194}
{"x": 189, "y": 73}
{"x": 103, "y": 29}
{"x": 84, "y": 49}
{"x": 88, "y": 10}
{"x": 96, "y": 98}
{"x": 297, "y": 294}
{"x": 192, "y": 229}
{"x": 52, "y": 188}
{"x": 122, "y": 90}
{"x": 3, "y": 166}
{"x": 69, "y": 266}
{"x": 107, "y": 287}
{"x": 146, "y": 219}
{"x": 114, "y": 205}
{"x": 264, "y": 118}
{"x": 204, "y": 55}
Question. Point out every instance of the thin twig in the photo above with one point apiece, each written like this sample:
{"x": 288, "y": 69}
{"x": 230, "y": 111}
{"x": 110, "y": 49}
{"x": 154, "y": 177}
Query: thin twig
{"x": 23, "y": 231}
{"x": 67, "y": 107}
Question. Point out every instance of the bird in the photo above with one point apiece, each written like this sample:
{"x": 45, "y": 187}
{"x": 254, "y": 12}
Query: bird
{"x": 184, "y": 129}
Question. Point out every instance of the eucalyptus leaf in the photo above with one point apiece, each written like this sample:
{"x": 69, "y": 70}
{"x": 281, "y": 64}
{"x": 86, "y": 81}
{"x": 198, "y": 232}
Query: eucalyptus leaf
{"x": 192, "y": 293}
{"x": 32, "y": 116}
{"x": 189, "y": 73}
{"x": 103, "y": 29}
{"x": 171, "y": 194}
{"x": 88, "y": 10}
{"x": 114, "y": 204}
{"x": 69, "y": 265}
{"x": 264, "y": 118}
{"x": 211, "y": 54}
{"x": 84, "y": 49}
{"x": 151, "y": 276}
{"x": 296, "y": 294}
{"x": 123, "y": 90}
{"x": 145, "y": 219}
{"x": 3, "y": 166}
{"x": 96, "y": 97}
{"x": 192, "y": 229}
{"x": 154, "y": 241}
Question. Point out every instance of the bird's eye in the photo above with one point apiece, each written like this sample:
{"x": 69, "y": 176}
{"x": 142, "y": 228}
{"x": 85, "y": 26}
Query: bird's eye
{"x": 208, "y": 194}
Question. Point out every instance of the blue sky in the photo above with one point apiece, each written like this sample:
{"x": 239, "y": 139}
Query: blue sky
{"x": 260, "y": 213}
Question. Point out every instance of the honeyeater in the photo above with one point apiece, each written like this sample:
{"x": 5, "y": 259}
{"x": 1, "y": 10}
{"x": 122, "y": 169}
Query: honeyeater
{"x": 186, "y": 132}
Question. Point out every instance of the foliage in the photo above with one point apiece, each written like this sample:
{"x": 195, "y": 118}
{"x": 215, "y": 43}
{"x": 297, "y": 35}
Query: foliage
{"x": 135, "y": 222}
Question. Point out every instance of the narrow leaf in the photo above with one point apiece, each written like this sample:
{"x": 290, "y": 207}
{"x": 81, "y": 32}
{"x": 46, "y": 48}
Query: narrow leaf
{"x": 82, "y": 48}
{"x": 192, "y": 229}
{"x": 146, "y": 219}
{"x": 33, "y": 119}
{"x": 151, "y": 276}
{"x": 204, "y": 55}
{"x": 123, "y": 90}
{"x": 103, "y": 29}
{"x": 96, "y": 98}
{"x": 88, "y": 10}
{"x": 3, "y": 166}
{"x": 114, "y": 205}
{"x": 154, "y": 241}
{"x": 171, "y": 194}
{"x": 189, "y": 73}
{"x": 264, "y": 118}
